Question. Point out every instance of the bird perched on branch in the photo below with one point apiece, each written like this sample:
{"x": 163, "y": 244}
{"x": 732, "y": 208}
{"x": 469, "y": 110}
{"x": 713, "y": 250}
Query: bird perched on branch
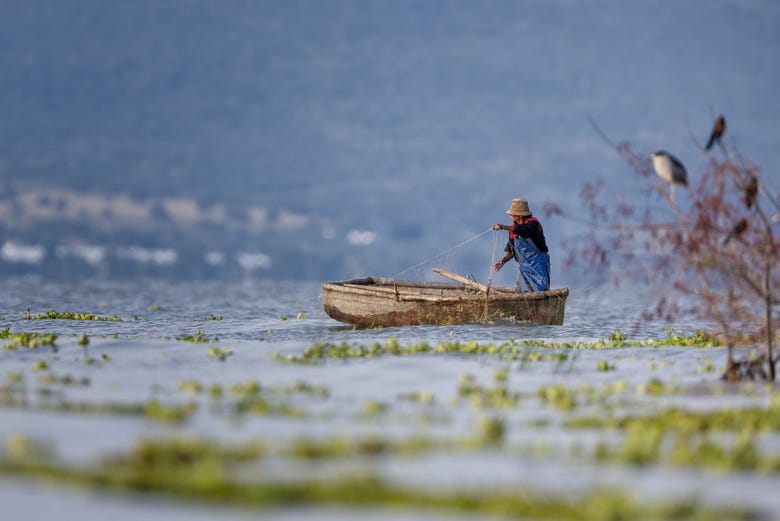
{"x": 670, "y": 170}
{"x": 718, "y": 129}
{"x": 736, "y": 231}
{"x": 751, "y": 192}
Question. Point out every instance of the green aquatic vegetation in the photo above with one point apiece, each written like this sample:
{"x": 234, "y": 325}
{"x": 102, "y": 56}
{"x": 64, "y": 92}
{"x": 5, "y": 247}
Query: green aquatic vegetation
{"x": 559, "y": 396}
{"x": 480, "y": 397}
{"x": 261, "y": 406}
{"x": 605, "y": 365}
{"x": 568, "y": 398}
{"x": 301, "y": 387}
{"x": 656, "y": 445}
{"x": 425, "y": 397}
{"x": 699, "y": 451}
{"x": 19, "y": 447}
{"x": 526, "y": 351}
{"x": 510, "y": 351}
{"x": 727, "y": 419}
{"x": 40, "y": 365}
{"x": 199, "y": 470}
{"x": 28, "y": 340}
{"x": 248, "y": 388}
{"x": 167, "y": 413}
{"x": 220, "y": 353}
{"x": 83, "y": 340}
{"x": 15, "y": 396}
{"x": 190, "y": 386}
{"x": 617, "y": 336}
{"x": 617, "y": 340}
{"x": 375, "y": 408}
{"x": 251, "y": 398}
{"x": 198, "y": 338}
{"x": 65, "y": 380}
{"x": 57, "y": 315}
{"x": 340, "y": 447}
{"x": 655, "y": 386}
{"x": 692, "y": 439}
{"x": 300, "y": 316}
{"x": 185, "y": 454}
{"x": 14, "y": 378}
{"x": 641, "y": 445}
{"x": 490, "y": 431}
{"x": 707, "y": 367}
{"x": 212, "y": 318}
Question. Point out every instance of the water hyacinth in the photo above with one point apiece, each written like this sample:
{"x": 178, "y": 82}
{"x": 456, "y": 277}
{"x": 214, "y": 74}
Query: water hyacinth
{"x": 28, "y": 340}
{"x": 509, "y": 350}
{"x": 56, "y": 315}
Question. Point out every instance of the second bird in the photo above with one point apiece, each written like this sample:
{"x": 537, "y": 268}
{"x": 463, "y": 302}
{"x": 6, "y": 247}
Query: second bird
{"x": 718, "y": 129}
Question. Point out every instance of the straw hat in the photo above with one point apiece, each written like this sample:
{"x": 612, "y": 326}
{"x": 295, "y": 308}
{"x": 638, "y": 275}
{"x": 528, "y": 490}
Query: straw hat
{"x": 519, "y": 207}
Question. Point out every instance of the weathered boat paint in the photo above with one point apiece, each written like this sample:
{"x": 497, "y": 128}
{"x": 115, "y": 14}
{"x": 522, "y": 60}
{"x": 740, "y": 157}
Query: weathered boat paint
{"x": 379, "y": 302}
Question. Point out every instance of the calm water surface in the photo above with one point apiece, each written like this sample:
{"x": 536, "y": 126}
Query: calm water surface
{"x": 149, "y": 360}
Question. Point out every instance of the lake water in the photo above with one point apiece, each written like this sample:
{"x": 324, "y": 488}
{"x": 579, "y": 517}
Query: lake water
{"x": 145, "y": 356}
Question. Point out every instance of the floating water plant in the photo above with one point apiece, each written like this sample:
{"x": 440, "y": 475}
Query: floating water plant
{"x": 655, "y": 386}
{"x": 418, "y": 396}
{"x": 66, "y": 380}
{"x": 220, "y": 353}
{"x": 617, "y": 340}
{"x": 490, "y": 431}
{"x": 198, "y": 338}
{"x": 29, "y": 340}
{"x": 375, "y": 408}
{"x": 559, "y": 396}
{"x": 754, "y": 419}
{"x": 605, "y": 365}
{"x": 55, "y": 402}
{"x": 190, "y": 386}
{"x": 481, "y": 397}
{"x": 509, "y": 351}
{"x": 199, "y": 470}
{"x": 56, "y": 315}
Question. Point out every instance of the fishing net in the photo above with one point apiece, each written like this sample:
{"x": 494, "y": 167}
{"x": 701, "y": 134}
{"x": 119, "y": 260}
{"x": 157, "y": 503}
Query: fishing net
{"x": 472, "y": 258}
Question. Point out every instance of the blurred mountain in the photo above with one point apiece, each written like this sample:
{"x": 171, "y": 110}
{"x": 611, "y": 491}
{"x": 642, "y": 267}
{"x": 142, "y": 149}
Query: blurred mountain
{"x": 346, "y": 138}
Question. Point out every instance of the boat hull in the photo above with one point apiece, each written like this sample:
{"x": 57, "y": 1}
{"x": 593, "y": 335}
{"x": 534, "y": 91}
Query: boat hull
{"x": 377, "y": 302}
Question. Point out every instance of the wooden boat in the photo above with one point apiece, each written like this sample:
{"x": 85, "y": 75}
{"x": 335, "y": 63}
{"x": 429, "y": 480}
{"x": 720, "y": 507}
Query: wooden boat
{"x": 376, "y": 301}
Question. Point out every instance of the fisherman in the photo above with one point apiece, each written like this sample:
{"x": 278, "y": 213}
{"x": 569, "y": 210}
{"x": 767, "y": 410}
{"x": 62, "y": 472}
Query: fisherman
{"x": 527, "y": 246}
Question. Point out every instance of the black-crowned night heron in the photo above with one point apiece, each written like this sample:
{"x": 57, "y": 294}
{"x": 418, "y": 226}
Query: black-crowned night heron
{"x": 670, "y": 169}
{"x": 718, "y": 129}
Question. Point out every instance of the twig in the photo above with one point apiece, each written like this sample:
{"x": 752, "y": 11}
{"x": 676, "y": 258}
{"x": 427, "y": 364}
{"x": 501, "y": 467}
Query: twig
{"x": 692, "y": 136}
{"x": 601, "y": 134}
